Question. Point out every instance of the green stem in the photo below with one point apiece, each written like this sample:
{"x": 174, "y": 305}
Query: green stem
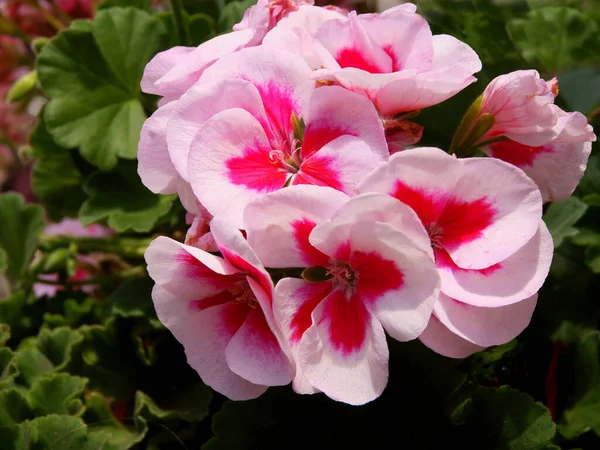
{"x": 126, "y": 247}
{"x": 182, "y": 29}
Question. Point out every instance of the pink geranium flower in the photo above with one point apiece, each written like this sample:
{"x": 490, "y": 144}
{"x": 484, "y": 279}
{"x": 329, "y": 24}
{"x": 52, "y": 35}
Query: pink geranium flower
{"x": 392, "y": 58}
{"x": 492, "y": 250}
{"x": 220, "y": 309}
{"x": 367, "y": 276}
{"x": 254, "y": 124}
{"x": 556, "y": 166}
{"x": 522, "y": 105}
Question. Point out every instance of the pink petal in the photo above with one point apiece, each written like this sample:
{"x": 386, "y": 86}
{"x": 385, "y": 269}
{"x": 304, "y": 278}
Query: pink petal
{"x": 519, "y": 276}
{"x": 517, "y": 204}
{"x": 404, "y": 36}
{"x": 188, "y": 272}
{"x": 189, "y": 69}
{"x": 188, "y": 199}
{"x": 522, "y": 106}
{"x": 278, "y": 224}
{"x": 255, "y": 354}
{"x": 281, "y": 77}
{"x": 340, "y": 164}
{"x": 396, "y": 280}
{"x": 200, "y": 103}
{"x": 309, "y": 18}
{"x": 155, "y": 167}
{"x": 160, "y": 65}
{"x": 205, "y": 335}
{"x": 443, "y": 341}
{"x": 295, "y": 301}
{"x": 485, "y": 326}
{"x": 300, "y": 42}
{"x": 229, "y": 164}
{"x": 477, "y": 227}
{"x": 451, "y": 70}
{"x": 236, "y": 250}
{"x": 344, "y": 354}
{"x": 385, "y": 209}
{"x": 556, "y": 167}
{"x": 351, "y": 46}
{"x": 334, "y": 112}
{"x": 199, "y": 235}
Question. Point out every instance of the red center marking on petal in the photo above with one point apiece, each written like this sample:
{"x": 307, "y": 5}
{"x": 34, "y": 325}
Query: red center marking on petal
{"x": 347, "y": 320}
{"x": 213, "y": 300}
{"x": 310, "y": 255}
{"x": 280, "y": 104}
{"x": 315, "y": 137}
{"x": 233, "y": 316}
{"x": 261, "y": 277}
{"x": 308, "y": 298}
{"x": 343, "y": 252}
{"x": 256, "y": 171}
{"x": 389, "y": 50}
{"x": 319, "y": 171}
{"x": 449, "y": 221}
{"x": 443, "y": 260}
{"x": 375, "y": 275}
{"x": 262, "y": 335}
{"x": 351, "y": 57}
{"x": 195, "y": 269}
{"x": 518, "y": 154}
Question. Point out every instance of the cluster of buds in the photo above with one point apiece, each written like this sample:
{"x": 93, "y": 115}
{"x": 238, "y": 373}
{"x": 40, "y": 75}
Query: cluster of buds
{"x": 317, "y": 226}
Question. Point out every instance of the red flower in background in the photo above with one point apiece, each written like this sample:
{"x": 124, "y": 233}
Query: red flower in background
{"x": 77, "y": 9}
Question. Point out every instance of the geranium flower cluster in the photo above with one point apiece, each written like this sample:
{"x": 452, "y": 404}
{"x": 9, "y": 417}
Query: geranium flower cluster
{"x": 317, "y": 226}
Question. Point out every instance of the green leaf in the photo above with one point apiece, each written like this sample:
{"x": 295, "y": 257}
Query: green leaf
{"x": 92, "y": 77}
{"x": 57, "y": 393}
{"x": 14, "y": 407}
{"x": 74, "y": 313}
{"x": 583, "y": 416}
{"x": 4, "y": 333}
{"x": 139, "y": 4}
{"x": 591, "y": 200}
{"x": 56, "y": 181}
{"x": 590, "y": 183}
{"x": 100, "y": 418}
{"x": 14, "y": 313}
{"x": 201, "y": 26}
{"x": 580, "y": 88}
{"x": 110, "y": 362}
{"x": 555, "y": 38}
{"x": 190, "y": 404}
{"x": 504, "y": 419}
{"x": 20, "y": 227}
{"x": 134, "y": 299}
{"x": 8, "y": 370}
{"x": 55, "y": 432}
{"x": 591, "y": 240}
{"x": 232, "y": 13}
{"x": 120, "y": 197}
{"x": 50, "y": 351}
{"x": 561, "y": 216}
{"x": 583, "y": 360}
